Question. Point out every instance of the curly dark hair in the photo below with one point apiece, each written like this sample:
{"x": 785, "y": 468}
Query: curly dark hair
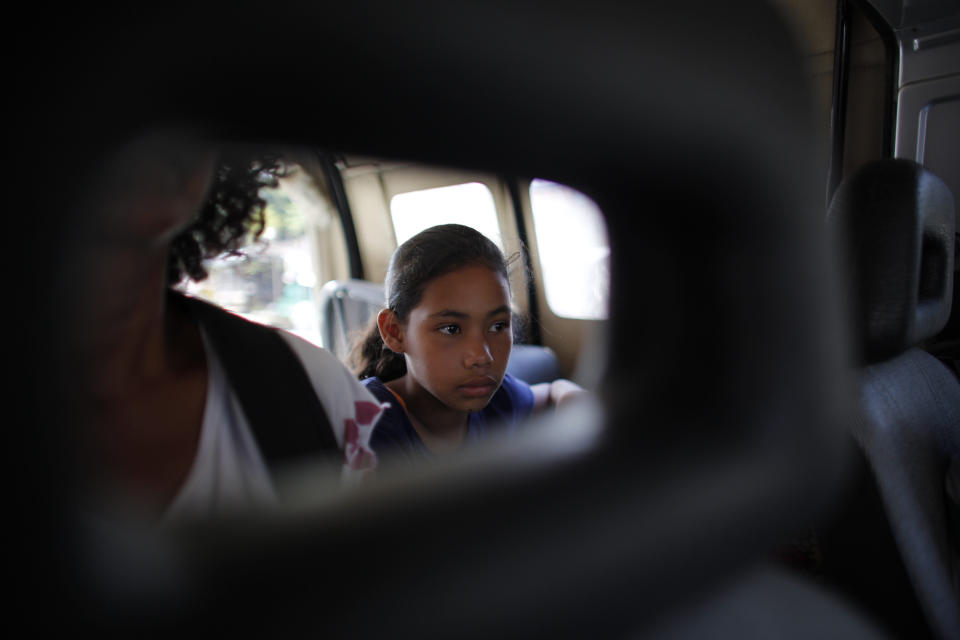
{"x": 231, "y": 216}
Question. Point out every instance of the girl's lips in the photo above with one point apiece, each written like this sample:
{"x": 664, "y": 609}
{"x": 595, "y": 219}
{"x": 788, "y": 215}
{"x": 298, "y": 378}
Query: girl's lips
{"x": 478, "y": 387}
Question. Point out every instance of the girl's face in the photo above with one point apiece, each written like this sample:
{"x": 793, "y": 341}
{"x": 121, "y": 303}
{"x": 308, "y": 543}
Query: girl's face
{"x": 457, "y": 340}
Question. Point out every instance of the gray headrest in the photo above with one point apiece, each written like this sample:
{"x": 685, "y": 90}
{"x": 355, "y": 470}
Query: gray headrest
{"x": 896, "y": 224}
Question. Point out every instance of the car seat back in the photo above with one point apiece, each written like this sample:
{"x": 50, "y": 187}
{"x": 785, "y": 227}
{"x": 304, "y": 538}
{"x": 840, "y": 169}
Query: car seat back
{"x": 346, "y": 309}
{"x": 896, "y": 222}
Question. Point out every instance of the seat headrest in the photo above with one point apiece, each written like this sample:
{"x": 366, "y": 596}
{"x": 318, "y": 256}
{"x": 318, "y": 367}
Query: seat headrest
{"x": 896, "y": 224}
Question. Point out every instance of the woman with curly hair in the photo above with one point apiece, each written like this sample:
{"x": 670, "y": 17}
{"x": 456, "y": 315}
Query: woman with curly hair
{"x": 172, "y": 409}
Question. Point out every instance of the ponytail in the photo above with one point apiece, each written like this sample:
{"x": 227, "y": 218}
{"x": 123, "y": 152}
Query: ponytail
{"x": 370, "y": 357}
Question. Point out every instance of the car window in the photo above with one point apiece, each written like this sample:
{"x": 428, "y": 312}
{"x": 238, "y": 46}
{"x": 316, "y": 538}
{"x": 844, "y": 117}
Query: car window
{"x": 574, "y": 250}
{"x": 273, "y": 280}
{"x": 469, "y": 204}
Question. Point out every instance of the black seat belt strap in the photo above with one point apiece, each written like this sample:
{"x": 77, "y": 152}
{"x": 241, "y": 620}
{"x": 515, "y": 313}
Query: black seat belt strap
{"x": 274, "y": 390}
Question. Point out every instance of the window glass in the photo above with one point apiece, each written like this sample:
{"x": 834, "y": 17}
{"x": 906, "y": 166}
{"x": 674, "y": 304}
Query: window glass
{"x": 470, "y": 204}
{"x": 273, "y": 281}
{"x": 574, "y": 250}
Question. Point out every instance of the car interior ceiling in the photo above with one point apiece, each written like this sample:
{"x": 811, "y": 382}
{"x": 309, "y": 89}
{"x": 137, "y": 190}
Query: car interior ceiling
{"x": 718, "y": 434}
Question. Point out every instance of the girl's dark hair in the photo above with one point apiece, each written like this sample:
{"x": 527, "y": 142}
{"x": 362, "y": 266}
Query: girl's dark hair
{"x": 429, "y": 254}
{"x": 231, "y": 216}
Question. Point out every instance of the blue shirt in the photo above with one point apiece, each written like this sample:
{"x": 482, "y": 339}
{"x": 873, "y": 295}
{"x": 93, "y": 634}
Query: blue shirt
{"x": 395, "y": 439}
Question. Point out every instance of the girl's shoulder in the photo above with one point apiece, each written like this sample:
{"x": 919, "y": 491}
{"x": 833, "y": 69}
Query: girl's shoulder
{"x": 394, "y": 435}
{"x": 512, "y": 402}
{"x": 393, "y": 407}
{"x": 377, "y": 387}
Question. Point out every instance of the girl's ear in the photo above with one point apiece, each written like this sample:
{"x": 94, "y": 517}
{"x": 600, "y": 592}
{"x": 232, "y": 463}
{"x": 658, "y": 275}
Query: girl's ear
{"x": 390, "y": 330}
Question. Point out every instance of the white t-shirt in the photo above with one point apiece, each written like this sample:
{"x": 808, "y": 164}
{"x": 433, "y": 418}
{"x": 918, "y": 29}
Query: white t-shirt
{"x": 229, "y": 472}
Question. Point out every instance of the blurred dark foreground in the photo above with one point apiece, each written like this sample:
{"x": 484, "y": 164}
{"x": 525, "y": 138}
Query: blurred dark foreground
{"x": 717, "y": 436}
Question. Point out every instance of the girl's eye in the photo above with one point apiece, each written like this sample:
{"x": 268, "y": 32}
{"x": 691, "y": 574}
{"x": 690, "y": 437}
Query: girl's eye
{"x": 500, "y": 327}
{"x": 449, "y": 329}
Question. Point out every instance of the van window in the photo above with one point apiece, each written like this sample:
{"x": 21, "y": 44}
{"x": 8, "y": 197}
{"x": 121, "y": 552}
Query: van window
{"x": 573, "y": 248}
{"x": 470, "y": 204}
{"x": 274, "y": 279}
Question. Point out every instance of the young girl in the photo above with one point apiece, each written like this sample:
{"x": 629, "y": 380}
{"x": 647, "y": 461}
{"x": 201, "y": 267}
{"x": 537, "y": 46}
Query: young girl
{"x": 438, "y": 353}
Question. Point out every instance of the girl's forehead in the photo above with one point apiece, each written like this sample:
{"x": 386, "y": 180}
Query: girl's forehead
{"x": 474, "y": 287}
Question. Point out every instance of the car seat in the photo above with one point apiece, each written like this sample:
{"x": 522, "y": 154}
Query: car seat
{"x": 897, "y": 224}
{"x": 346, "y": 308}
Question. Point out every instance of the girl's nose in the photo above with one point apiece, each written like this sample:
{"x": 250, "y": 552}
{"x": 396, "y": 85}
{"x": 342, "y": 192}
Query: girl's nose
{"x": 478, "y": 354}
